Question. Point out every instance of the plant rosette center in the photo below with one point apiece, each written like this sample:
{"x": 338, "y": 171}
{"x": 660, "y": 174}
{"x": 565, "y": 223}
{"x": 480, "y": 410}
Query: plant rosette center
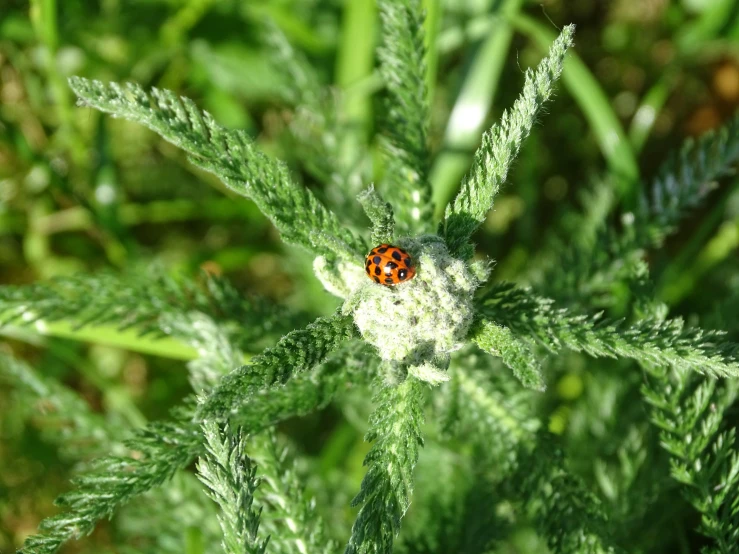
{"x": 417, "y": 324}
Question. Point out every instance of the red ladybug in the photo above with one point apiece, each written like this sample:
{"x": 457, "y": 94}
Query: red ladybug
{"x": 389, "y": 265}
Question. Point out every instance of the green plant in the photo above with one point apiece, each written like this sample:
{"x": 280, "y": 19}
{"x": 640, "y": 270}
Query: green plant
{"x": 401, "y": 343}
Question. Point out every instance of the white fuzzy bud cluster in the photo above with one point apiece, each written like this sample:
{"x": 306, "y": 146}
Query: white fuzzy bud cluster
{"x": 417, "y": 324}
{"x": 339, "y": 277}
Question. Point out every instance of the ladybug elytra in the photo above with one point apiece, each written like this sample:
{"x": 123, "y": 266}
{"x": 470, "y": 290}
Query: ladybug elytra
{"x": 389, "y": 265}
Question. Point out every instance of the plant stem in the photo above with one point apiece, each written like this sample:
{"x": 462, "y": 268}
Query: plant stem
{"x": 108, "y": 335}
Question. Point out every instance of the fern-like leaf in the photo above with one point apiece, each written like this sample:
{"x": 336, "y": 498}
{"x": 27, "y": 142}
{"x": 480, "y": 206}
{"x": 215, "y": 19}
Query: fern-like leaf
{"x": 169, "y": 519}
{"x": 161, "y": 449}
{"x": 290, "y": 518}
{"x": 513, "y": 351}
{"x": 684, "y": 180}
{"x": 594, "y": 266}
{"x": 231, "y": 479}
{"x": 500, "y": 146}
{"x": 386, "y": 489}
{"x": 63, "y": 415}
{"x": 318, "y": 133}
{"x": 651, "y": 341}
{"x": 487, "y": 403}
{"x": 525, "y": 465}
{"x": 296, "y": 352}
{"x": 218, "y": 355}
{"x": 402, "y": 66}
{"x": 230, "y": 155}
{"x": 380, "y": 214}
{"x": 143, "y": 301}
{"x": 565, "y": 512}
{"x": 689, "y": 412}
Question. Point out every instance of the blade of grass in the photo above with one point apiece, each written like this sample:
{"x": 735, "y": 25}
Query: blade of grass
{"x": 300, "y": 33}
{"x": 467, "y": 120}
{"x": 78, "y": 218}
{"x": 714, "y": 21}
{"x": 646, "y": 114}
{"x": 595, "y": 105}
{"x": 723, "y": 243}
{"x": 431, "y": 35}
{"x": 175, "y": 28}
{"x": 43, "y": 14}
{"x": 354, "y": 62}
{"x": 699, "y": 253}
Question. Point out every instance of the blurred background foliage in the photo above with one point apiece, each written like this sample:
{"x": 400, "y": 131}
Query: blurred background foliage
{"x": 80, "y": 192}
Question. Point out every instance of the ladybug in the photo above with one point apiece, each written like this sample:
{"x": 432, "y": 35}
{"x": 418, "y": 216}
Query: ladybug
{"x": 389, "y": 265}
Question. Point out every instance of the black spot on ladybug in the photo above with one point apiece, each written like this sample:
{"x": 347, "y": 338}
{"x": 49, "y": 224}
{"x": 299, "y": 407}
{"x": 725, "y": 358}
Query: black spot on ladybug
{"x": 382, "y": 250}
{"x": 377, "y": 279}
{"x": 367, "y": 269}
{"x": 391, "y": 265}
{"x": 402, "y": 274}
{"x": 378, "y": 271}
{"x": 389, "y": 281}
{"x": 377, "y": 259}
{"x": 407, "y": 262}
{"x": 396, "y": 255}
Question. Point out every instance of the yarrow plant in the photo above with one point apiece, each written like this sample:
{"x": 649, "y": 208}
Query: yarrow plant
{"x": 477, "y": 350}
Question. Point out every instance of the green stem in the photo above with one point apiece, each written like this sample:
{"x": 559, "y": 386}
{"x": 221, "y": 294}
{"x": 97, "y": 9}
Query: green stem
{"x": 107, "y": 335}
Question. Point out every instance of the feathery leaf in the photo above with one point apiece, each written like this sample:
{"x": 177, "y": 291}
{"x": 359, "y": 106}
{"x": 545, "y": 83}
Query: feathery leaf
{"x": 230, "y": 155}
{"x": 386, "y": 489}
{"x": 526, "y": 466}
{"x": 143, "y": 301}
{"x": 500, "y": 146}
{"x": 595, "y": 265}
{"x": 65, "y": 417}
{"x": 164, "y": 448}
{"x": 689, "y": 412}
{"x": 380, "y": 214}
{"x": 231, "y": 479}
{"x": 662, "y": 342}
{"x": 684, "y": 180}
{"x": 403, "y": 68}
{"x": 296, "y": 352}
{"x": 513, "y": 351}
{"x": 291, "y": 519}
{"x": 565, "y": 511}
